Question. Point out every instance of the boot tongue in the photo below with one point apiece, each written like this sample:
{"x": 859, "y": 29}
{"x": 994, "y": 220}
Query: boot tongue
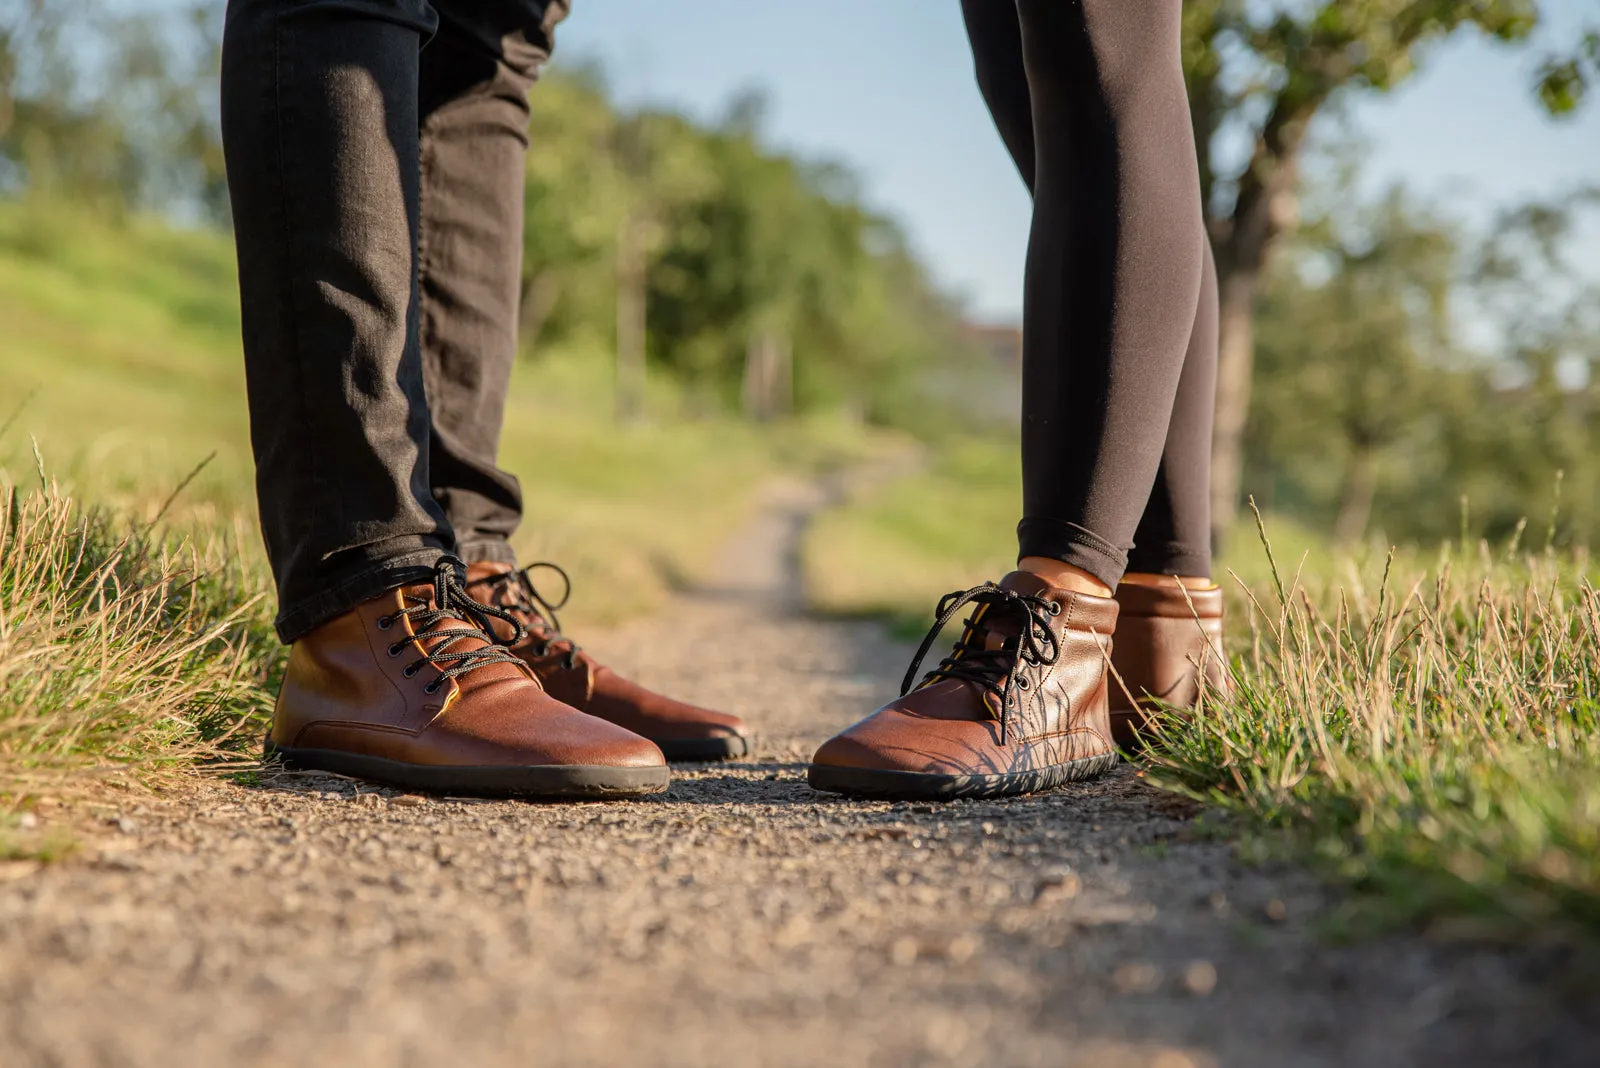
{"x": 1003, "y": 625}
{"x": 424, "y": 593}
{"x": 489, "y": 669}
{"x": 1026, "y": 582}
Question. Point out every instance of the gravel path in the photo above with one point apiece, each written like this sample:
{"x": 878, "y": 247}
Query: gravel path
{"x": 740, "y": 920}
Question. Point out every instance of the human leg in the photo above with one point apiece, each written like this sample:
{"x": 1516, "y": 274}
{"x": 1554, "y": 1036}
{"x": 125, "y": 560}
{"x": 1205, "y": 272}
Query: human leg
{"x": 1113, "y": 275}
{"x": 392, "y": 674}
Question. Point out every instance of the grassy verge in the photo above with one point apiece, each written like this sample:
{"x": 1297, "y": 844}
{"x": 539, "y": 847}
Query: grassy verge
{"x": 894, "y": 548}
{"x": 119, "y": 647}
{"x": 1425, "y": 726}
{"x": 1430, "y": 735}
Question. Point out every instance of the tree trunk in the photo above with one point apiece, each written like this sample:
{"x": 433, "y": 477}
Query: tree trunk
{"x": 1264, "y": 207}
{"x": 1360, "y": 487}
{"x": 1236, "y": 291}
{"x": 630, "y": 320}
{"x": 538, "y": 301}
{"x": 768, "y": 388}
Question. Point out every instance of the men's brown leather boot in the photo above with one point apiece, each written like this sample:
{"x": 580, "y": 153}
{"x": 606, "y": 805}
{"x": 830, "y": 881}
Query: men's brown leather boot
{"x": 683, "y": 731}
{"x": 1163, "y": 647}
{"x": 1019, "y": 705}
{"x": 410, "y": 690}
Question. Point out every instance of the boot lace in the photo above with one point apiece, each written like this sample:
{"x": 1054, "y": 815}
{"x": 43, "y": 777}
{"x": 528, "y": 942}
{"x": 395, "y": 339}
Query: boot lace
{"x": 441, "y": 648}
{"x": 996, "y": 671}
{"x": 524, "y": 597}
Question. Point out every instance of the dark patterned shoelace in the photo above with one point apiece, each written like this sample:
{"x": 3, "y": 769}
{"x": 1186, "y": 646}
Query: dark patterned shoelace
{"x": 519, "y": 591}
{"x": 992, "y": 670}
{"x": 440, "y": 648}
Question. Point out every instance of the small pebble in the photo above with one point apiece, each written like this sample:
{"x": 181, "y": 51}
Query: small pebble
{"x": 1136, "y": 977}
{"x": 27, "y": 821}
{"x": 1061, "y": 886}
{"x": 961, "y": 949}
{"x": 1277, "y": 911}
{"x": 408, "y": 801}
{"x": 1200, "y": 978}
{"x": 1173, "y": 1058}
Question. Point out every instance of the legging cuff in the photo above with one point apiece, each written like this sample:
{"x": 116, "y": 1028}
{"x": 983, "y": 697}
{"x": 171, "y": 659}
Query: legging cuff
{"x": 1172, "y": 558}
{"x": 1056, "y": 539}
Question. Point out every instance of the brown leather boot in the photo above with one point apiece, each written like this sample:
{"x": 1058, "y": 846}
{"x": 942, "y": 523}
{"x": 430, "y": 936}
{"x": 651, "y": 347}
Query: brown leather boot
{"x": 1018, "y": 706}
{"x": 409, "y": 690}
{"x": 1162, "y": 647}
{"x": 683, "y": 731}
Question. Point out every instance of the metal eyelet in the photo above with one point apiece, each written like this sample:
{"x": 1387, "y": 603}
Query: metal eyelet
{"x": 1055, "y": 608}
{"x": 394, "y": 650}
{"x": 385, "y": 622}
{"x": 1022, "y": 682}
{"x": 431, "y": 688}
{"x": 411, "y": 670}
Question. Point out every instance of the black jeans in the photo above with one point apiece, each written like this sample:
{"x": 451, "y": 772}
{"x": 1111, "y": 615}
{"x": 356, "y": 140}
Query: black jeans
{"x": 375, "y": 155}
{"x": 1120, "y": 307}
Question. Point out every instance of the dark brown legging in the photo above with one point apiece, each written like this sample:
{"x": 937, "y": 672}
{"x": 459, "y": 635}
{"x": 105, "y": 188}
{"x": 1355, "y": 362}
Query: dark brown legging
{"x": 1119, "y": 307}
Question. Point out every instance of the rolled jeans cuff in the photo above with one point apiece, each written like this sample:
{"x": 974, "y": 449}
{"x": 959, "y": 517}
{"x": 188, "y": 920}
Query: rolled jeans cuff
{"x": 1056, "y": 539}
{"x": 487, "y": 551}
{"x": 299, "y": 616}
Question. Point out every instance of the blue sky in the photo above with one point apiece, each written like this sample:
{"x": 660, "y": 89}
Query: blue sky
{"x": 886, "y": 87}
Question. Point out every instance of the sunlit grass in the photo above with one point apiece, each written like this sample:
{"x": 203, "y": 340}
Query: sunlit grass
{"x": 1429, "y": 733}
{"x": 121, "y": 645}
{"x": 894, "y": 549}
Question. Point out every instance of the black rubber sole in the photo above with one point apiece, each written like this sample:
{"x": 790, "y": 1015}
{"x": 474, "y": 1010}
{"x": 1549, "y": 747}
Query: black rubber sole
{"x": 542, "y": 780}
{"x": 925, "y": 786}
{"x": 690, "y": 750}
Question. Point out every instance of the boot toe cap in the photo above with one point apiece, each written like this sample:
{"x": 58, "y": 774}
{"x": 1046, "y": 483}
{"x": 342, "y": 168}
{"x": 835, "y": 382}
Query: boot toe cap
{"x": 892, "y": 740}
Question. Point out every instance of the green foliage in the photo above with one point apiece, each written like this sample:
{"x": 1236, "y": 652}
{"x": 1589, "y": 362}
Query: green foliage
{"x": 1373, "y": 408}
{"x": 1259, "y": 74}
{"x": 741, "y": 243}
{"x": 1271, "y": 67}
{"x": 1566, "y": 78}
{"x": 114, "y": 109}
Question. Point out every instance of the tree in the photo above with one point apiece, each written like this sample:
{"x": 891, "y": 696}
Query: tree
{"x": 114, "y": 109}
{"x": 1355, "y": 354}
{"x": 1266, "y": 70}
{"x": 1373, "y": 413}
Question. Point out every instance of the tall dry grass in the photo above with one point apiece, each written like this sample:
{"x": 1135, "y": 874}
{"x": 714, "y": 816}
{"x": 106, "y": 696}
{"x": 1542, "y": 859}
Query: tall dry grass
{"x": 120, "y": 645}
{"x": 1428, "y": 734}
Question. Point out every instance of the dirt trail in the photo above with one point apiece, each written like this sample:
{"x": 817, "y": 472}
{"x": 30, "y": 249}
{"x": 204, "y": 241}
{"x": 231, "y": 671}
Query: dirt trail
{"x": 740, "y": 920}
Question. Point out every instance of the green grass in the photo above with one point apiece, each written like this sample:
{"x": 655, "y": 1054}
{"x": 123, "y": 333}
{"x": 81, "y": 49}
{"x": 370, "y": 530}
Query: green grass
{"x": 894, "y": 548}
{"x": 120, "y": 645}
{"x": 1429, "y": 734}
